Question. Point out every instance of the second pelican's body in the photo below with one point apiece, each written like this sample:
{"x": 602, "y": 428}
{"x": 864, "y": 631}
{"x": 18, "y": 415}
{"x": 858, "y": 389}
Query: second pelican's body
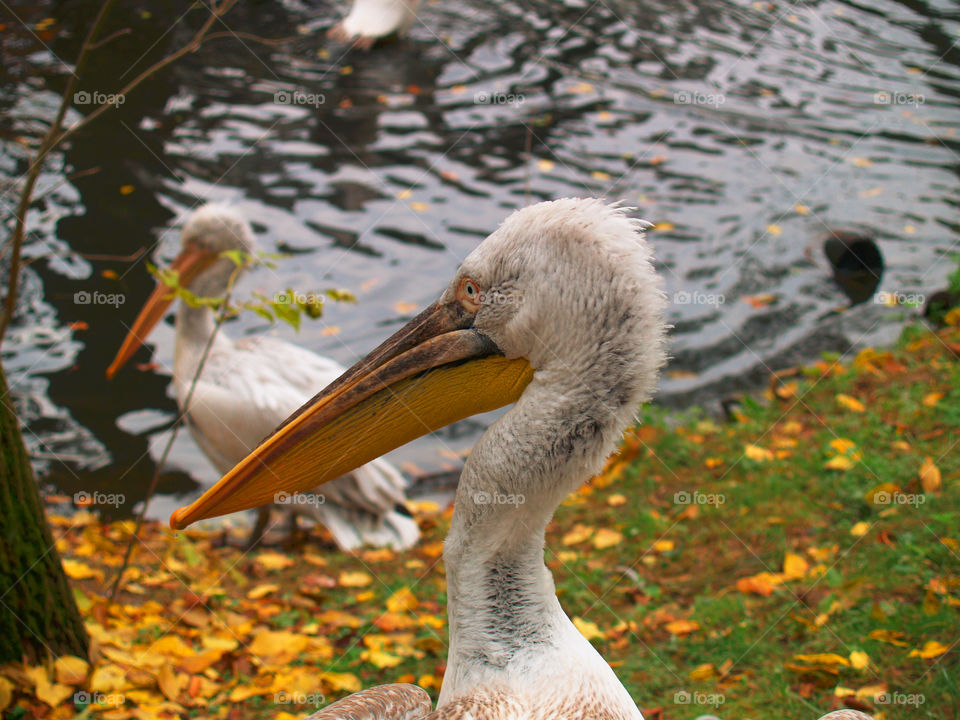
{"x": 247, "y": 387}
{"x": 561, "y": 312}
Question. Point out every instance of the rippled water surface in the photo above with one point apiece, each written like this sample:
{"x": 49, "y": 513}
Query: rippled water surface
{"x": 745, "y": 130}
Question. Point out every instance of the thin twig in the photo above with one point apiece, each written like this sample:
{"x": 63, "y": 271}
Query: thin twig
{"x": 221, "y": 317}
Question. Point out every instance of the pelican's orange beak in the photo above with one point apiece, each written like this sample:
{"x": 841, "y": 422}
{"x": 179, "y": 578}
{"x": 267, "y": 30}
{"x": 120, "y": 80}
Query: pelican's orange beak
{"x": 188, "y": 264}
{"x": 434, "y": 371}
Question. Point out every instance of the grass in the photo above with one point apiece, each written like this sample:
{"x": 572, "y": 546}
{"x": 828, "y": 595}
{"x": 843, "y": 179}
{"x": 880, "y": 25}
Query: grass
{"x": 702, "y": 562}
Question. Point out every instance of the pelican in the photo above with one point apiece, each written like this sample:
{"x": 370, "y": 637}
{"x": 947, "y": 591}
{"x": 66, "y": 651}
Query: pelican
{"x": 248, "y": 386}
{"x": 372, "y": 20}
{"x": 560, "y": 312}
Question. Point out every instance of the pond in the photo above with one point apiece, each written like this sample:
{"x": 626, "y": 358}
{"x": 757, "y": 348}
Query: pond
{"x": 747, "y": 131}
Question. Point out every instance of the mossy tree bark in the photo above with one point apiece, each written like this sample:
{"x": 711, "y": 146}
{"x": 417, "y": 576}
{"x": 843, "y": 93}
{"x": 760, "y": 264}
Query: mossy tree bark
{"x": 38, "y": 613}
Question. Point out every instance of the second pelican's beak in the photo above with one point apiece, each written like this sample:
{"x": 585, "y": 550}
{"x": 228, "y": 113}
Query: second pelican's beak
{"x": 433, "y": 372}
{"x": 188, "y": 264}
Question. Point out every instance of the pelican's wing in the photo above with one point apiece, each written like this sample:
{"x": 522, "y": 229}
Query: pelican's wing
{"x": 384, "y": 702}
{"x": 247, "y": 389}
{"x": 372, "y": 19}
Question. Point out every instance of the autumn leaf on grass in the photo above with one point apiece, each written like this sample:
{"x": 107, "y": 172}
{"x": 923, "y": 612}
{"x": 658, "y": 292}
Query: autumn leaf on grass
{"x": 850, "y": 403}
{"x": 71, "y": 670}
{"x": 757, "y": 453}
{"x": 6, "y": 693}
{"x": 261, "y": 591}
{"x": 760, "y": 584}
{"x": 818, "y": 662}
{"x": 702, "y": 672}
{"x": 273, "y": 561}
{"x": 794, "y": 566}
{"x": 356, "y": 579}
{"x": 52, "y": 693}
{"x": 341, "y": 682}
{"x": 930, "y": 476}
{"x": 839, "y": 462}
{"x": 931, "y": 649}
{"x": 402, "y": 599}
{"x": 894, "y": 637}
{"x": 79, "y": 571}
{"x": 577, "y": 535}
{"x": 606, "y": 538}
{"x": 588, "y": 629}
{"x": 380, "y": 659}
{"x": 860, "y": 529}
{"x": 278, "y": 647}
{"x": 682, "y": 627}
{"x": 882, "y": 493}
{"x": 859, "y": 660}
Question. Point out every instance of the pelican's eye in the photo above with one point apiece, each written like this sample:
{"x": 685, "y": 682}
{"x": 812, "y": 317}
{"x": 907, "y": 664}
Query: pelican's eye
{"x": 469, "y": 294}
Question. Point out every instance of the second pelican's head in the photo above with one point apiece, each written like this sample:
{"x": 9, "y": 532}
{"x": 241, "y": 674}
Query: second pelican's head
{"x": 563, "y": 289}
{"x": 202, "y": 269}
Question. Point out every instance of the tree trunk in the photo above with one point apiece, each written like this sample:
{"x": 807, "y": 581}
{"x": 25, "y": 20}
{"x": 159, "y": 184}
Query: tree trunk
{"x": 38, "y": 613}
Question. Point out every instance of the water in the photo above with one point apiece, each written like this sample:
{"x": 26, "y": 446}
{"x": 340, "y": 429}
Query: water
{"x": 745, "y": 130}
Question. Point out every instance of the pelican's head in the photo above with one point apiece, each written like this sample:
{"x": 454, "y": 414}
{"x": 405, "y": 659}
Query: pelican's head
{"x": 563, "y": 289}
{"x": 201, "y": 266}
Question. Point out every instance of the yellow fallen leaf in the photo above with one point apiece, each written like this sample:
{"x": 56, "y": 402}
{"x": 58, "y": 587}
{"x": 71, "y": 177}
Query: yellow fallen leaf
{"x": 842, "y": 445}
{"x": 759, "y": 584}
{"x": 931, "y": 649}
{"x": 402, "y": 599}
{"x": 170, "y": 646}
{"x": 850, "y": 403}
{"x": 894, "y": 637}
{"x": 616, "y": 500}
{"x": 931, "y": 399}
{"x": 356, "y": 579}
{"x": 171, "y": 683}
{"x": 823, "y": 659}
{"x": 860, "y": 529}
{"x": 839, "y": 462}
{"x": 930, "y": 476}
{"x": 588, "y": 629}
{"x": 577, "y": 535}
{"x": 271, "y": 643}
{"x": 126, "y": 189}
{"x": 859, "y": 660}
{"x": 606, "y": 538}
{"x": 663, "y": 545}
{"x": 262, "y": 591}
{"x": 341, "y": 682}
{"x": 78, "y": 570}
{"x": 273, "y": 561}
{"x": 757, "y": 453}
{"x": 430, "y": 682}
{"x": 108, "y": 678}
{"x": 682, "y": 627}
{"x": 794, "y": 566}
{"x": 71, "y": 670}
{"x": 702, "y": 672}
{"x": 801, "y": 209}
{"x": 380, "y": 659}
{"x": 774, "y": 229}
{"x": 51, "y": 693}
{"x": 663, "y": 226}
{"x": 6, "y": 693}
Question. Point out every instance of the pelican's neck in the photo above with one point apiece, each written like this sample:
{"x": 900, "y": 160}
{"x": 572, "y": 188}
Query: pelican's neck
{"x": 503, "y": 612}
{"x": 194, "y": 326}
